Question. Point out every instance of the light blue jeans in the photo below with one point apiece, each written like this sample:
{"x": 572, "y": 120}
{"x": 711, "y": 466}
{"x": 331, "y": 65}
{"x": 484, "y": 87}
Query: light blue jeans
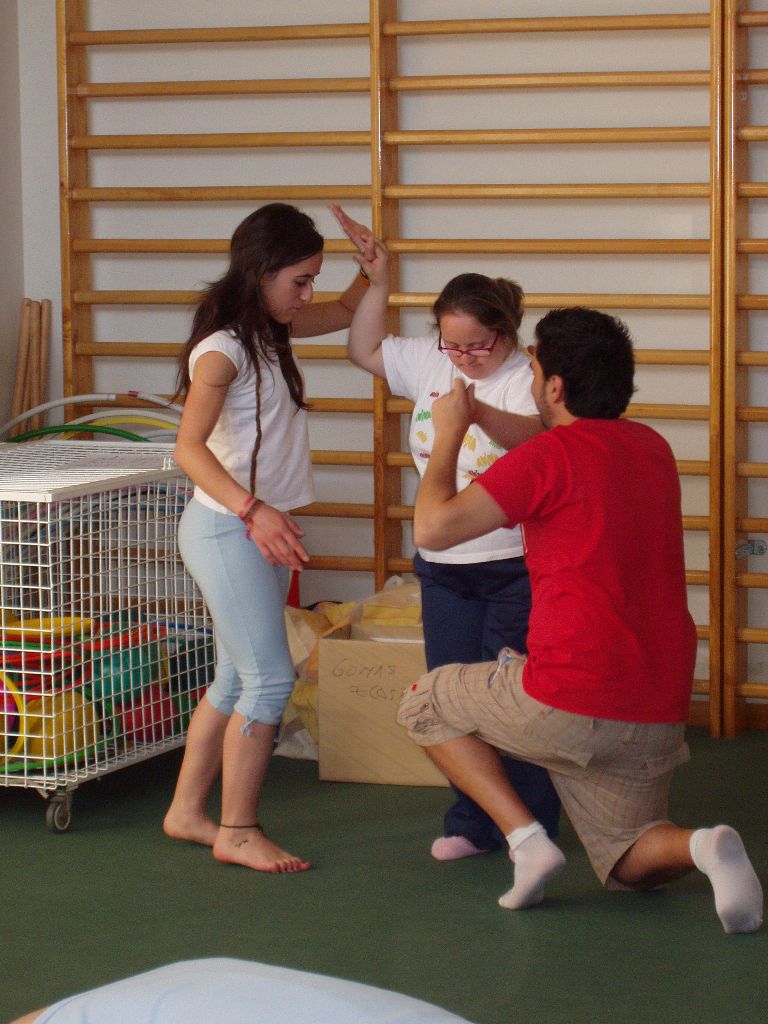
{"x": 246, "y": 598}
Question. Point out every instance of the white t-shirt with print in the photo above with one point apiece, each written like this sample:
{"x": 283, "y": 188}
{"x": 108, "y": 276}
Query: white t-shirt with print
{"x": 416, "y": 369}
{"x": 283, "y": 465}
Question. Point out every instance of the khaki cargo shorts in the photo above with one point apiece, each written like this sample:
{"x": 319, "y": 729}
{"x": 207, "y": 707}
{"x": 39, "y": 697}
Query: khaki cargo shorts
{"x": 612, "y": 778}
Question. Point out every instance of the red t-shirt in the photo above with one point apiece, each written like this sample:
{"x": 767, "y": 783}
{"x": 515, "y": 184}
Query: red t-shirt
{"x": 610, "y": 634}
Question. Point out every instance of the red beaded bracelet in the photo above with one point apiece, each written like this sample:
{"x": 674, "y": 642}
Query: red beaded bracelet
{"x": 249, "y": 506}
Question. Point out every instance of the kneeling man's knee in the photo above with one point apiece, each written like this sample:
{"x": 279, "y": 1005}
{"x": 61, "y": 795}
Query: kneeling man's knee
{"x": 420, "y": 712}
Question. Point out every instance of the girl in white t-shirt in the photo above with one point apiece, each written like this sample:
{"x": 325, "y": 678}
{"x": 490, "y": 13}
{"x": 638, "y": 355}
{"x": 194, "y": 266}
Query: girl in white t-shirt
{"x": 243, "y": 441}
{"x": 475, "y": 596}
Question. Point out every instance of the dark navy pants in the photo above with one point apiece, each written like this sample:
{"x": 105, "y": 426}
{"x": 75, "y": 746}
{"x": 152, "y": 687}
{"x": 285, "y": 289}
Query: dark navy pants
{"x": 470, "y": 611}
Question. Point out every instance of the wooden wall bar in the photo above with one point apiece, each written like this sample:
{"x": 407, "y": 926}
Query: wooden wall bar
{"x": 745, "y": 677}
{"x": 724, "y": 516}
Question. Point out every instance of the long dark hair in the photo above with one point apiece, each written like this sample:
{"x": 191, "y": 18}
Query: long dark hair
{"x": 273, "y": 237}
{"x": 495, "y": 302}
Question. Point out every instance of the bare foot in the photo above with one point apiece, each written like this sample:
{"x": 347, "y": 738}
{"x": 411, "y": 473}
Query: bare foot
{"x": 251, "y": 849}
{"x": 193, "y": 828}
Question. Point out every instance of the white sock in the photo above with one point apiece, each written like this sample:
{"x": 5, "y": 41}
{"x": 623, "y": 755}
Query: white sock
{"x": 720, "y": 854}
{"x": 536, "y": 860}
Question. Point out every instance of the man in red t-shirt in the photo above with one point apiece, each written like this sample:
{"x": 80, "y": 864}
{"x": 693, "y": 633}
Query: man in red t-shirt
{"x": 602, "y": 698}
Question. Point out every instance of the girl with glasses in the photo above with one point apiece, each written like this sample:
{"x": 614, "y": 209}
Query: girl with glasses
{"x": 476, "y": 596}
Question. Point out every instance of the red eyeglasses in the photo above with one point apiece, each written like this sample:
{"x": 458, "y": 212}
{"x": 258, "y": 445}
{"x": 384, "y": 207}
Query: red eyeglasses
{"x": 481, "y": 351}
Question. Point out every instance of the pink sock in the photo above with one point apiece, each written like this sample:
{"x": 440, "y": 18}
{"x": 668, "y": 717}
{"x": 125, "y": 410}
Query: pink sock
{"x": 454, "y": 848}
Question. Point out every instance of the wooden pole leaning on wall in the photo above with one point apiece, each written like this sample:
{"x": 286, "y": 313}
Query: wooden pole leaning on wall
{"x": 31, "y": 362}
{"x": 22, "y": 358}
{"x": 43, "y": 352}
{"x": 33, "y": 358}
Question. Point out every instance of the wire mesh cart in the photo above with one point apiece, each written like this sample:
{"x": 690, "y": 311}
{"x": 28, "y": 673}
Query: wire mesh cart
{"x": 106, "y": 645}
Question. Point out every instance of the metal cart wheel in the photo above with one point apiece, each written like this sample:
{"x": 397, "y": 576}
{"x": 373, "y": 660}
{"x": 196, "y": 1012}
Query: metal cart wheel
{"x": 58, "y": 813}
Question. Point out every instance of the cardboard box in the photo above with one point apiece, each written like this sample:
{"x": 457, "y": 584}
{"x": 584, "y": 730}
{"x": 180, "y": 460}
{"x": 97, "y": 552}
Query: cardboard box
{"x": 361, "y": 678}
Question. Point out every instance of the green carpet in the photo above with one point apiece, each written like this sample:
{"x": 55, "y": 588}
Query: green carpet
{"x": 112, "y": 897}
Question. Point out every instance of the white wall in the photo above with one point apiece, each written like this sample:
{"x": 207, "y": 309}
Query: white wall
{"x": 11, "y": 230}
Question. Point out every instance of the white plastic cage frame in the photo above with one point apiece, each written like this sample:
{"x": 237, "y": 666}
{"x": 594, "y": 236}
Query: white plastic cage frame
{"x": 105, "y": 642}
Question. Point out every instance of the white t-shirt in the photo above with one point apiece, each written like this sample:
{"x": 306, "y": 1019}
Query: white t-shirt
{"x": 416, "y": 369}
{"x": 283, "y": 465}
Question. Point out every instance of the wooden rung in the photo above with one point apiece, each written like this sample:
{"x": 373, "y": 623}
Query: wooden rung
{"x": 671, "y": 357}
{"x": 758, "y": 691}
{"x": 205, "y": 194}
{"x": 661, "y": 190}
{"x": 751, "y": 190}
{"x": 692, "y": 467}
{"x": 343, "y": 510}
{"x": 225, "y": 87}
{"x": 182, "y": 245}
{"x": 221, "y": 140}
{"x": 354, "y": 405}
{"x": 151, "y": 37}
{"x": 557, "y": 80}
{"x": 395, "y": 405}
{"x": 402, "y": 460}
{"x": 422, "y": 299}
{"x": 752, "y": 470}
{"x": 750, "y": 414}
{"x": 752, "y": 133}
{"x": 600, "y": 23}
{"x": 399, "y": 565}
{"x": 135, "y": 349}
{"x": 691, "y": 523}
{"x": 752, "y": 245}
{"x": 752, "y": 636}
{"x": 418, "y": 299}
{"x": 752, "y": 524}
{"x": 543, "y": 246}
{"x": 553, "y": 300}
{"x": 171, "y": 350}
{"x": 322, "y": 352}
{"x": 697, "y": 578}
{"x": 344, "y": 563}
{"x": 751, "y": 580}
{"x": 658, "y": 411}
{"x": 752, "y": 359}
{"x": 218, "y": 193}
{"x": 696, "y": 523}
{"x": 702, "y": 632}
{"x": 752, "y": 19}
{"x": 331, "y": 458}
{"x": 543, "y": 136}
{"x": 137, "y": 298}
{"x": 155, "y": 298}
{"x": 399, "y": 512}
{"x": 552, "y": 246}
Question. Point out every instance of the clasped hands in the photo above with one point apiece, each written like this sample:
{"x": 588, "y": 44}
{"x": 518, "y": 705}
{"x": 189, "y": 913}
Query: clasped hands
{"x": 455, "y": 411}
{"x": 372, "y": 255}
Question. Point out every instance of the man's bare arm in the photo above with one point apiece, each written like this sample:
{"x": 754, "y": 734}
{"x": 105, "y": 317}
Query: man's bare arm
{"x": 442, "y": 516}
